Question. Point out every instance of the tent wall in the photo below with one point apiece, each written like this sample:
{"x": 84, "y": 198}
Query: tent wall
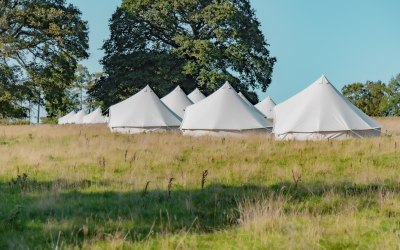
{"x": 262, "y": 131}
{"x": 328, "y": 135}
{"x": 143, "y": 130}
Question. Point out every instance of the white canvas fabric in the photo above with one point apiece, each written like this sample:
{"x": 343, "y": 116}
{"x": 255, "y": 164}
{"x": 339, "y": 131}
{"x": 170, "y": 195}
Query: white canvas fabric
{"x": 142, "y": 112}
{"x": 196, "y": 96}
{"x": 250, "y": 104}
{"x": 144, "y": 130}
{"x": 177, "y": 101}
{"x": 245, "y": 99}
{"x": 321, "y": 112}
{"x": 223, "y": 112}
{"x": 78, "y": 117}
{"x": 266, "y": 107}
{"x": 94, "y": 117}
{"x": 66, "y": 118}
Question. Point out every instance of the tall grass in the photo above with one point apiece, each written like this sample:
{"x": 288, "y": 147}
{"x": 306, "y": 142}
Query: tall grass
{"x": 82, "y": 186}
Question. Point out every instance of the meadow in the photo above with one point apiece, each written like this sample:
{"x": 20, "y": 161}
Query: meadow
{"x": 68, "y": 187}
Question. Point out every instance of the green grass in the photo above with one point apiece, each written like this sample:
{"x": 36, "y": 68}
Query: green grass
{"x": 85, "y": 188}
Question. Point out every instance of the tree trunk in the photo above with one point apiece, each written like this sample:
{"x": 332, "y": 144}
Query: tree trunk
{"x": 81, "y": 97}
{"x": 38, "y": 110}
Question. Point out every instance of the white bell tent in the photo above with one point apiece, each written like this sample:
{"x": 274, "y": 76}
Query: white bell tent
{"x": 142, "y": 112}
{"x": 177, "y": 101}
{"x": 321, "y": 112}
{"x": 66, "y": 118}
{"x": 196, "y": 96}
{"x": 223, "y": 113}
{"x": 94, "y": 117}
{"x": 266, "y": 107}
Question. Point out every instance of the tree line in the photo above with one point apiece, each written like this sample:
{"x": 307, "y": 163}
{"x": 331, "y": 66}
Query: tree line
{"x": 375, "y": 98}
{"x": 161, "y": 43}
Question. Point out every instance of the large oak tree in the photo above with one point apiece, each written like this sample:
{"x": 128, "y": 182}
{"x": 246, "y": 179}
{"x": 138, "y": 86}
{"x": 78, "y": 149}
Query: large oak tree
{"x": 199, "y": 43}
{"x": 44, "y": 39}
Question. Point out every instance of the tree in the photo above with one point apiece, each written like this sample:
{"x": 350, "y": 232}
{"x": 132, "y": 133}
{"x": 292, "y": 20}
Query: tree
{"x": 11, "y": 92}
{"x": 44, "y": 39}
{"x": 91, "y": 102}
{"x": 394, "y": 96}
{"x": 371, "y": 97}
{"x": 192, "y": 43}
{"x": 355, "y": 92}
{"x": 81, "y": 83}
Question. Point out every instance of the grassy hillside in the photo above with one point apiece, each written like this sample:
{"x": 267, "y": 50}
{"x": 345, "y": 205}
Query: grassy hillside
{"x": 81, "y": 186}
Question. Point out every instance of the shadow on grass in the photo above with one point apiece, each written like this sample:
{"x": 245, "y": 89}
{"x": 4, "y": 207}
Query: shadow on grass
{"x": 41, "y": 214}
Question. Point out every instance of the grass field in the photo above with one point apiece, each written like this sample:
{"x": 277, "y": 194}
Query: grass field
{"x": 83, "y": 187}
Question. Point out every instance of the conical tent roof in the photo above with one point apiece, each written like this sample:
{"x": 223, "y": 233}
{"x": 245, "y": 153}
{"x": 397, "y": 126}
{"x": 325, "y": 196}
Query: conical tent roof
{"x": 318, "y": 108}
{"x": 94, "y": 117}
{"x": 196, "y": 96}
{"x": 78, "y": 117}
{"x": 266, "y": 106}
{"x": 223, "y": 110}
{"x": 66, "y": 118}
{"x": 142, "y": 110}
{"x": 177, "y": 101}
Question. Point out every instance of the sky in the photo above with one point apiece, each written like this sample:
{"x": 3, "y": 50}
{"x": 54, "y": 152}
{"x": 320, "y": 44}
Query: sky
{"x": 346, "y": 40}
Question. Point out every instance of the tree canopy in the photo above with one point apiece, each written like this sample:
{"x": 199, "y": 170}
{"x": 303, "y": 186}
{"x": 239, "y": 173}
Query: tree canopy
{"x": 42, "y": 39}
{"x": 191, "y": 43}
{"x": 394, "y": 96}
{"x": 374, "y": 98}
{"x": 11, "y": 92}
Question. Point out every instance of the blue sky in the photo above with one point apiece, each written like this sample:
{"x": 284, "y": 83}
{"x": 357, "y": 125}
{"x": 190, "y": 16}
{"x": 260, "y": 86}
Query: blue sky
{"x": 347, "y": 40}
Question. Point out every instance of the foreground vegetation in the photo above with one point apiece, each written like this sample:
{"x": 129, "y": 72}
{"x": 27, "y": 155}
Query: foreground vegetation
{"x": 81, "y": 186}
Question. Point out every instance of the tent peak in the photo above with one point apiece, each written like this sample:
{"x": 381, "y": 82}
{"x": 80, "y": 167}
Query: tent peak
{"x": 178, "y": 88}
{"x": 323, "y": 80}
{"x": 147, "y": 89}
{"x": 196, "y": 95}
{"x": 226, "y": 85}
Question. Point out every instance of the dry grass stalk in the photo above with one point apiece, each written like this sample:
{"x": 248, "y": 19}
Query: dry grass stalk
{"x": 170, "y": 187}
{"x": 296, "y": 175}
{"x": 145, "y": 189}
{"x": 203, "y": 178}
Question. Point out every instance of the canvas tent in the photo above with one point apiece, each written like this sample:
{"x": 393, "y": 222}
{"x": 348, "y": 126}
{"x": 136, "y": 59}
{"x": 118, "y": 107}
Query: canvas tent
{"x": 223, "y": 113}
{"x": 266, "y": 106}
{"x": 94, "y": 117}
{"x": 142, "y": 112}
{"x": 66, "y": 118}
{"x": 196, "y": 96}
{"x": 177, "y": 101}
{"x": 321, "y": 112}
{"x": 78, "y": 117}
